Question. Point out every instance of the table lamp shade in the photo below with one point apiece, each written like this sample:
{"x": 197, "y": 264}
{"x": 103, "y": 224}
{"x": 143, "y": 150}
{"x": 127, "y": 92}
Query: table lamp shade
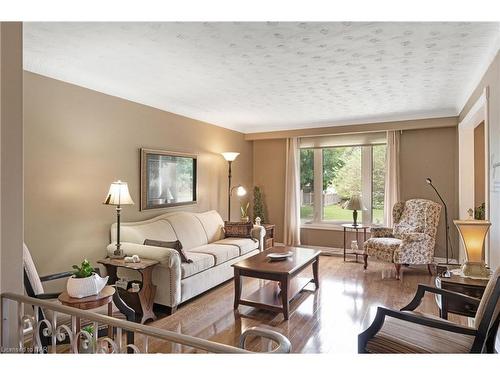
{"x": 473, "y": 233}
{"x": 230, "y": 156}
{"x": 118, "y": 194}
{"x": 354, "y": 203}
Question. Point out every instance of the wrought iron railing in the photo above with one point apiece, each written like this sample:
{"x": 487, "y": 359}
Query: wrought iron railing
{"x": 40, "y": 332}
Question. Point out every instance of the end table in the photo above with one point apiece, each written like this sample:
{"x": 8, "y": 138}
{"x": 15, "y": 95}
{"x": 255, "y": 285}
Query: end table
{"x": 146, "y": 294}
{"x": 88, "y": 303}
{"x": 356, "y": 228}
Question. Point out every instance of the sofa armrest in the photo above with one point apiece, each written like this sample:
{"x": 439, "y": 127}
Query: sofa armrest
{"x": 381, "y": 232}
{"x": 258, "y": 233}
{"x": 167, "y": 257}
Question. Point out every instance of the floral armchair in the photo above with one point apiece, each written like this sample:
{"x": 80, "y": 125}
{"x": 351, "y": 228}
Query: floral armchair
{"x": 412, "y": 239}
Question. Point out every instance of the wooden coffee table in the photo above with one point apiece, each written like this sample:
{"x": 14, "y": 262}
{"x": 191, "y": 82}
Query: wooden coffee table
{"x": 284, "y": 271}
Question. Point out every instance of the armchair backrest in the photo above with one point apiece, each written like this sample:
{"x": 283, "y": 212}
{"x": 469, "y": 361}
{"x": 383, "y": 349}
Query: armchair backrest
{"x": 32, "y": 282}
{"x": 489, "y": 307}
{"x": 416, "y": 215}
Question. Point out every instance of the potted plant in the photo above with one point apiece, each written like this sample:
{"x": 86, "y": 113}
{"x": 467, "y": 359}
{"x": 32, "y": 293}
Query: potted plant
{"x": 85, "y": 282}
{"x": 244, "y": 212}
{"x": 85, "y": 342}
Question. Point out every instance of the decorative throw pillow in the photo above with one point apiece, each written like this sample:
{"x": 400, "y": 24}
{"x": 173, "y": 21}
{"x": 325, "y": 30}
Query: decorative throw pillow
{"x": 176, "y": 245}
{"x": 238, "y": 229}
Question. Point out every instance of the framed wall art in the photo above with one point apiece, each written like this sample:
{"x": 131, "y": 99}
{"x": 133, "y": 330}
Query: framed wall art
{"x": 168, "y": 179}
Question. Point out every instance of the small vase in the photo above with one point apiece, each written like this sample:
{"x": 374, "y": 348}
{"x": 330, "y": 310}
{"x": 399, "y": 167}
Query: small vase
{"x": 87, "y": 286}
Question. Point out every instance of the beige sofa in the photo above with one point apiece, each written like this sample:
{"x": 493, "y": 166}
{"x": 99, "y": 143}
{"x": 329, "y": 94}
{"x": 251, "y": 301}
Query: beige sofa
{"x": 202, "y": 238}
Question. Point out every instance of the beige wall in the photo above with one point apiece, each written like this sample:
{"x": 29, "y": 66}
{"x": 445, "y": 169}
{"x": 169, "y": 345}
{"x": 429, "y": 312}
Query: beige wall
{"x": 78, "y": 141}
{"x": 491, "y": 79}
{"x": 269, "y": 174}
{"x": 424, "y": 153}
{"x": 11, "y": 167}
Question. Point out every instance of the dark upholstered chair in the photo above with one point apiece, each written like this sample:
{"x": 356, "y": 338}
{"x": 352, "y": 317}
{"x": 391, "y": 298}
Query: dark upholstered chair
{"x": 407, "y": 331}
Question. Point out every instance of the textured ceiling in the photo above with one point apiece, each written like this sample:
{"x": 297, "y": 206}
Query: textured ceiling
{"x": 270, "y": 76}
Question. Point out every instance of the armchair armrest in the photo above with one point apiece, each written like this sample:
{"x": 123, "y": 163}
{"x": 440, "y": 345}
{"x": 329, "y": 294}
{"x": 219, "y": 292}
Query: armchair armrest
{"x": 422, "y": 289}
{"x": 165, "y": 256}
{"x": 382, "y": 312}
{"x": 381, "y": 232}
{"x": 415, "y": 237}
{"x": 47, "y": 295}
{"x": 56, "y": 276}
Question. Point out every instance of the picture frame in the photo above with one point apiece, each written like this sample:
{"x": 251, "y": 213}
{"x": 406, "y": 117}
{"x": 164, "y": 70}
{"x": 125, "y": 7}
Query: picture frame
{"x": 168, "y": 179}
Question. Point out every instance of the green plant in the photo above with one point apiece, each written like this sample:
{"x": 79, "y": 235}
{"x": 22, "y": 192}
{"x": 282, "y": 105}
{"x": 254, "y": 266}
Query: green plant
{"x": 244, "y": 210}
{"x": 85, "y": 270}
{"x": 480, "y": 212}
{"x": 258, "y": 205}
{"x": 89, "y": 329}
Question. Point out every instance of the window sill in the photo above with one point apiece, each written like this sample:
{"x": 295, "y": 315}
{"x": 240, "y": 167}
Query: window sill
{"x": 327, "y": 226}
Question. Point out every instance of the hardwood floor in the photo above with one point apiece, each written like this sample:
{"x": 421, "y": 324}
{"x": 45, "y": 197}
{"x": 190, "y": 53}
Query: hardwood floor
{"x": 324, "y": 321}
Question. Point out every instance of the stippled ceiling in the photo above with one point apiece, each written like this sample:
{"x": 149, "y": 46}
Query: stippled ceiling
{"x": 267, "y": 76}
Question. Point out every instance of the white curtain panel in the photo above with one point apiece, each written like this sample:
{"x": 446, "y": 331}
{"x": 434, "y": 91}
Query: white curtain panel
{"x": 292, "y": 194}
{"x": 391, "y": 175}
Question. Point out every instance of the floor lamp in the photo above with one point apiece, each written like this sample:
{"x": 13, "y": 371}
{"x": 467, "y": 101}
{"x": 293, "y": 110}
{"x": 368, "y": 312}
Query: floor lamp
{"x": 429, "y": 181}
{"x": 230, "y": 157}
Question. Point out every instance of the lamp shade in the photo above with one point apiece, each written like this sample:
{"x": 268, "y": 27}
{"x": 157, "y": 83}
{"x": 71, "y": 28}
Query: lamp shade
{"x": 354, "y": 203}
{"x": 241, "y": 191}
{"x": 118, "y": 194}
{"x": 473, "y": 233}
{"x": 230, "y": 156}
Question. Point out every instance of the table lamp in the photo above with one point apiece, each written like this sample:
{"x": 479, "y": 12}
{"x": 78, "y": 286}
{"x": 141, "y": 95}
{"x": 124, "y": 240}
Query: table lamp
{"x": 118, "y": 195}
{"x": 354, "y": 203}
{"x": 473, "y": 232}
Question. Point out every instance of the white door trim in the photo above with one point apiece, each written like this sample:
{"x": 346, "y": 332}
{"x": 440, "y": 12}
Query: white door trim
{"x": 477, "y": 114}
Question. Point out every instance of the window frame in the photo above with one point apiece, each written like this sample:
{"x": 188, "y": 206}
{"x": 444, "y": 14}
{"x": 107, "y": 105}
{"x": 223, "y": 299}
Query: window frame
{"x": 318, "y": 221}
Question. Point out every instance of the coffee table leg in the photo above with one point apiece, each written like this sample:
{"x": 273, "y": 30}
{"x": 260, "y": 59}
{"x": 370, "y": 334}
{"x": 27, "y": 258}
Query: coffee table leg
{"x": 237, "y": 288}
{"x": 315, "y": 272}
{"x": 284, "y": 296}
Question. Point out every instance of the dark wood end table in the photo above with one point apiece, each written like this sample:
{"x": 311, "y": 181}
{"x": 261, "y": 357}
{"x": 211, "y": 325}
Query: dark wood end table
{"x": 284, "y": 272}
{"x": 89, "y": 303}
{"x": 465, "y": 285}
{"x": 269, "y": 238}
{"x": 361, "y": 252}
{"x": 146, "y": 294}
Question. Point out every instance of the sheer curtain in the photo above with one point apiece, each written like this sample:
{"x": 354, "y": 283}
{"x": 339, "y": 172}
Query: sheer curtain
{"x": 391, "y": 195}
{"x": 292, "y": 194}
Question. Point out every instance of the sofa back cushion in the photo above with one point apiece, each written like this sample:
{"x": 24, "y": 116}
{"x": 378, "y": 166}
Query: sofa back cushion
{"x": 212, "y": 224}
{"x": 157, "y": 228}
{"x": 188, "y": 229}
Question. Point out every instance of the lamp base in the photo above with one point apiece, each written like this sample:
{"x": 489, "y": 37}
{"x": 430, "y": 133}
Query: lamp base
{"x": 475, "y": 269}
{"x": 117, "y": 254}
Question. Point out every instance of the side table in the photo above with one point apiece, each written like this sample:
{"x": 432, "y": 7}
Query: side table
{"x": 88, "y": 303}
{"x": 356, "y": 228}
{"x": 269, "y": 238}
{"x": 465, "y": 285}
{"x": 146, "y": 294}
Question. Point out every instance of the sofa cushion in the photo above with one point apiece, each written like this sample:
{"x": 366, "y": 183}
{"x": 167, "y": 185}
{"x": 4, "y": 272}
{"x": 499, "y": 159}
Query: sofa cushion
{"x": 188, "y": 230}
{"x": 245, "y": 245}
{"x": 200, "y": 262}
{"x": 139, "y": 231}
{"x": 212, "y": 224}
{"x": 221, "y": 253}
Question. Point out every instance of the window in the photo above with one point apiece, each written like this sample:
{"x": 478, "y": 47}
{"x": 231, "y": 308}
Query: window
{"x": 338, "y": 172}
